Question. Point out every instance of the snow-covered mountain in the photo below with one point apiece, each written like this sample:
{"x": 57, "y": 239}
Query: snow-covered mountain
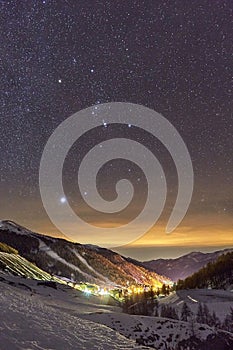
{"x": 75, "y": 261}
{"x": 184, "y": 266}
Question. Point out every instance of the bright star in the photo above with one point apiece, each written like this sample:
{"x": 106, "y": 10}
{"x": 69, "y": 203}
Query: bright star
{"x": 63, "y": 199}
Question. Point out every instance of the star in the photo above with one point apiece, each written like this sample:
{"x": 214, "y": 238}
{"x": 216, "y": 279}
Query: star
{"x": 63, "y": 200}
{"x": 81, "y": 56}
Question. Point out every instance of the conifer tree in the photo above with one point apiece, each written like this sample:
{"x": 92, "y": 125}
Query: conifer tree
{"x": 199, "y": 317}
{"x": 185, "y": 312}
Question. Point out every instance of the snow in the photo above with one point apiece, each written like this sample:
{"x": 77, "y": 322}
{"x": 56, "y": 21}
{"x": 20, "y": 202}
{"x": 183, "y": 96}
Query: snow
{"x": 38, "y": 317}
{"x": 81, "y": 258}
{"x": 20, "y": 230}
{"x": 55, "y": 256}
{"x": 28, "y": 322}
{"x": 43, "y": 247}
{"x": 216, "y": 300}
{"x": 155, "y": 331}
{"x": 194, "y": 300}
{"x": 13, "y": 227}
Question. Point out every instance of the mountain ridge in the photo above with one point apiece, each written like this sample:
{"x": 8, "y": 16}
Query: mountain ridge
{"x": 78, "y": 262}
{"x": 185, "y": 265}
{"x": 217, "y": 275}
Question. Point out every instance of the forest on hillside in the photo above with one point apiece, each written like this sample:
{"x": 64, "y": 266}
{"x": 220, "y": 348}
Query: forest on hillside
{"x": 218, "y": 275}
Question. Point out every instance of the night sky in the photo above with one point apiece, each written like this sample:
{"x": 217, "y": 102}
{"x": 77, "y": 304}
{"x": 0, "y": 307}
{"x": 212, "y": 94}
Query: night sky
{"x": 58, "y": 57}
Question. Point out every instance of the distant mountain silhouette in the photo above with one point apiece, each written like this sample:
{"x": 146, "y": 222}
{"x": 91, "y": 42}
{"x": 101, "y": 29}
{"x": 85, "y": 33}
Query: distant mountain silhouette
{"x": 184, "y": 266}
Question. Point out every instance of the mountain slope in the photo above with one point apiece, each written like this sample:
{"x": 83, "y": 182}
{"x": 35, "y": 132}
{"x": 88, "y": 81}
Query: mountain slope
{"x": 218, "y": 274}
{"x": 32, "y": 321}
{"x": 64, "y": 318}
{"x": 17, "y": 265}
{"x": 163, "y": 333}
{"x": 11, "y": 262}
{"x": 184, "y": 266}
{"x": 79, "y": 262}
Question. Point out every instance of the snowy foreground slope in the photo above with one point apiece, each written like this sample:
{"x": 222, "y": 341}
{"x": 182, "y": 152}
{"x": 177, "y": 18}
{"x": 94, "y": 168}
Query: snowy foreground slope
{"x": 28, "y": 323}
{"x": 162, "y": 333}
{"x": 40, "y": 317}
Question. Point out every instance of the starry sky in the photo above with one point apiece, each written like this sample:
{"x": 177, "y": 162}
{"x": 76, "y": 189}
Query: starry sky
{"x": 58, "y": 57}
